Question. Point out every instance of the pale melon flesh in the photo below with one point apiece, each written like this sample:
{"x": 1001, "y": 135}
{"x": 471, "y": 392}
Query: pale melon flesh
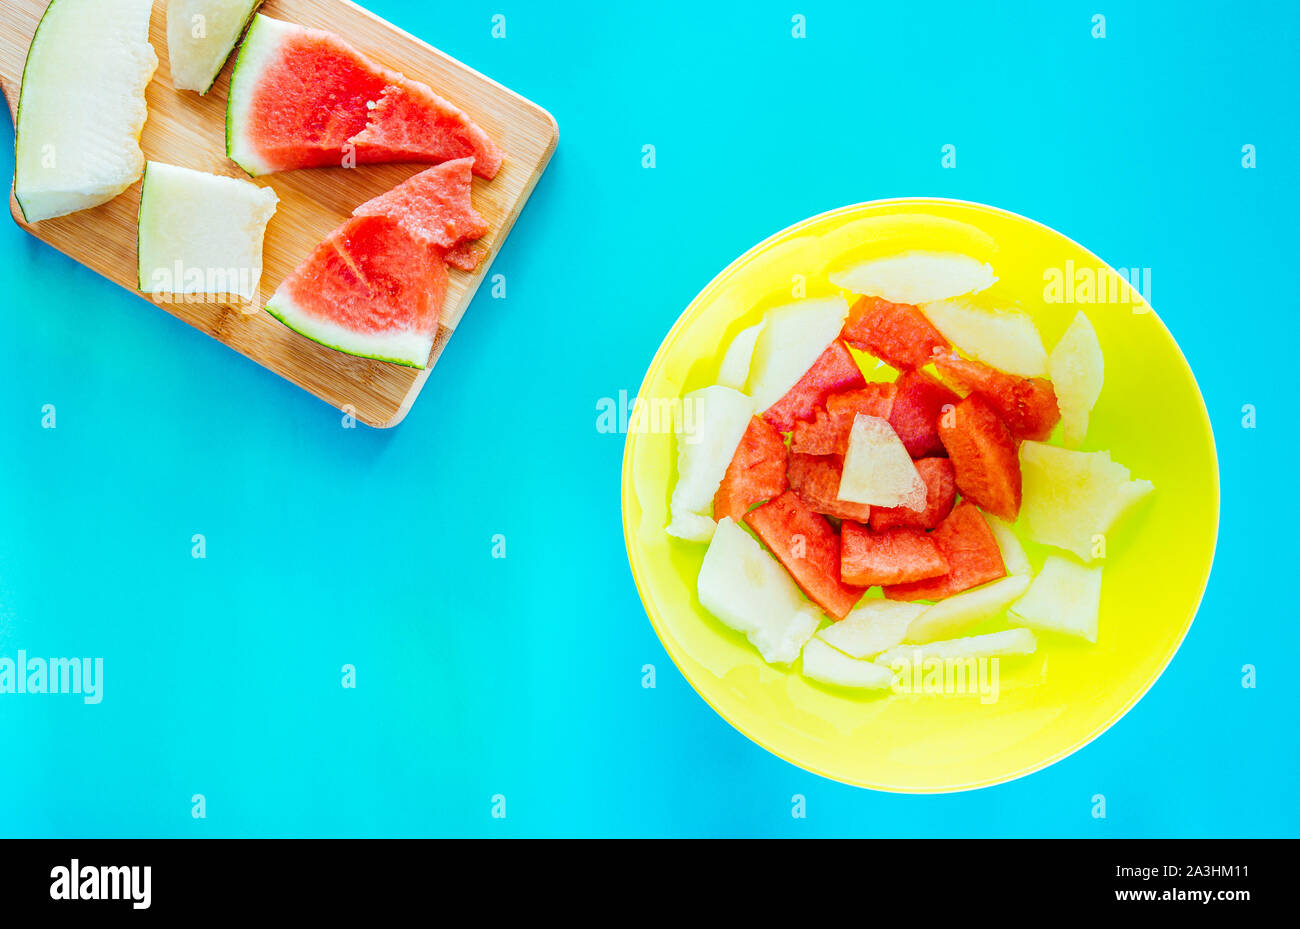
{"x": 956, "y": 614}
{"x": 1003, "y": 644}
{"x": 872, "y": 627}
{"x": 1077, "y": 370}
{"x": 917, "y": 277}
{"x": 1004, "y": 339}
{"x": 793, "y": 337}
{"x": 712, "y": 422}
{"x": 826, "y": 664}
{"x": 82, "y": 106}
{"x": 877, "y": 468}
{"x": 734, "y": 371}
{"x": 201, "y": 34}
{"x": 1064, "y": 598}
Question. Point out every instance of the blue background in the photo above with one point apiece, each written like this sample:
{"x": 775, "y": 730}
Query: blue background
{"x": 522, "y": 676}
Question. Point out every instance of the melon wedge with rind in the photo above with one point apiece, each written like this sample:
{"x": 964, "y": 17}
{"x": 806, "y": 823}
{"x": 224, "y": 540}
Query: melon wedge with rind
{"x": 1071, "y": 499}
{"x": 828, "y": 665}
{"x": 1077, "y": 369}
{"x": 793, "y": 338}
{"x": 1004, "y": 339}
{"x": 82, "y": 106}
{"x": 1064, "y": 598}
{"x": 872, "y": 627}
{"x": 917, "y": 277}
{"x": 748, "y": 590}
{"x": 952, "y": 616}
{"x": 709, "y": 429}
{"x": 1005, "y": 643}
{"x": 201, "y": 233}
{"x": 201, "y": 34}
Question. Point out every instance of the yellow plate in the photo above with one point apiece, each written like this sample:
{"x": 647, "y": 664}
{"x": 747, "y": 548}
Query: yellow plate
{"x": 1150, "y": 416}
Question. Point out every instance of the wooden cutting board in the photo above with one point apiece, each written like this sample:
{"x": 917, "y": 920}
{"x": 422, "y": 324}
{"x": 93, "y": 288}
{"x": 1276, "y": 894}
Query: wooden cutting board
{"x": 189, "y": 130}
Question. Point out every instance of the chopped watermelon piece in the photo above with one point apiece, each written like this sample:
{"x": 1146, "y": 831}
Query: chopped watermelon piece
{"x": 409, "y": 122}
{"x": 915, "y": 415}
{"x": 756, "y": 472}
{"x": 810, "y": 550}
{"x": 940, "y": 494}
{"x": 896, "y": 333}
{"x": 1026, "y": 404}
{"x": 985, "y": 457}
{"x": 833, "y": 371}
{"x": 828, "y": 432}
{"x": 895, "y": 556}
{"x": 434, "y": 205}
{"x": 816, "y": 480}
{"x": 972, "y": 552}
{"x": 466, "y": 256}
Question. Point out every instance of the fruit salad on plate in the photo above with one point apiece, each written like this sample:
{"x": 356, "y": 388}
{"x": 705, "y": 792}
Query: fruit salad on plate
{"x": 856, "y": 522}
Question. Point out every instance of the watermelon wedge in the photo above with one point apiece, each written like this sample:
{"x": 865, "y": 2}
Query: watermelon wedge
{"x": 973, "y": 555}
{"x": 828, "y": 433}
{"x": 940, "y": 494}
{"x": 434, "y": 206}
{"x": 895, "y": 556}
{"x": 806, "y": 544}
{"x": 833, "y": 371}
{"x": 304, "y": 98}
{"x": 918, "y": 404}
{"x": 1026, "y": 404}
{"x": 896, "y": 333}
{"x": 815, "y": 479}
{"x": 372, "y": 289}
{"x": 756, "y": 472}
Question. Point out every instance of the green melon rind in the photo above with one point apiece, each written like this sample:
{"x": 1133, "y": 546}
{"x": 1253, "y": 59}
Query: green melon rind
{"x": 262, "y": 42}
{"x": 253, "y": 8}
{"x": 22, "y": 94}
{"x": 283, "y": 308}
{"x": 139, "y": 219}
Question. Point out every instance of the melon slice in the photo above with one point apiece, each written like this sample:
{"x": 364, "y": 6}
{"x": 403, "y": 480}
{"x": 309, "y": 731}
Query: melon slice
{"x": 960, "y": 612}
{"x": 823, "y": 663}
{"x": 304, "y": 98}
{"x": 793, "y": 338}
{"x": 370, "y": 289}
{"x": 1077, "y": 370}
{"x": 747, "y": 589}
{"x": 875, "y": 625}
{"x": 82, "y": 106}
{"x": 201, "y": 234}
{"x": 734, "y": 370}
{"x": 1065, "y": 597}
{"x": 714, "y": 421}
{"x": 1002, "y": 339}
{"x": 434, "y": 205}
{"x": 917, "y": 277}
{"x": 201, "y": 34}
{"x": 1003, "y": 644}
{"x": 1013, "y": 552}
{"x": 1072, "y": 499}
{"x": 877, "y": 468}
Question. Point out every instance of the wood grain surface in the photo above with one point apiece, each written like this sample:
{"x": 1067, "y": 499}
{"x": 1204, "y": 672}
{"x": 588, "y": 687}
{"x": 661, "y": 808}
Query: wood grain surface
{"x": 189, "y": 130}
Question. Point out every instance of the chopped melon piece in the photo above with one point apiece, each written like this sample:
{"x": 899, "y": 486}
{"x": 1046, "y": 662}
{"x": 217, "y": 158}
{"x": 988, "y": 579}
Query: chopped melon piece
{"x": 959, "y": 612}
{"x": 200, "y": 37}
{"x": 872, "y": 627}
{"x": 1072, "y": 499}
{"x": 1065, "y": 597}
{"x": 1077, "y": 370}
{"x": 793, "y": 337}
{"x": 877, "y": 468}
{"x": 1002, "y": 339}
{"x": 1013, "y": 553}
{"x": 713, "y": 421}
{"x": 1001, "y": 644}
{"x": 200, "y": 233}
{"x": 917, "y": 277}
{"x": 734, "y": 370}
{"x": 825, "y": 664}
{"x": 749, "y": 591}
{"x": 82, "y": 106}
{"x": 691, "y": 527}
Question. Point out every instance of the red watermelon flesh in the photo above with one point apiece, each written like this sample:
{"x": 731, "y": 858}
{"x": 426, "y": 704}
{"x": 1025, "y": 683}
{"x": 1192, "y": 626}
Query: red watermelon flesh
{"x": 370, "y": 289}
{"x": 915, "y": 415}
{"x": 985, "y": 457}
{"x": 1026, "y": 404}
{"x": 756, "y": 472}
{"x": 806, "y": 544}
{"x": 896, "y": 333}
{"x": 828, "y": 432}
{"x": 304, "y": 98}
{"x": 940, "y": 494}
{"x": 816, "y": 481}
{"x": 895, "y": 556}
{"x": 833, "y": 371}
{"x": 466, "y": 256}
{"x": 972, "y": 552}
{"x": 434, "y": 205}
{"x": 411, "y": 123}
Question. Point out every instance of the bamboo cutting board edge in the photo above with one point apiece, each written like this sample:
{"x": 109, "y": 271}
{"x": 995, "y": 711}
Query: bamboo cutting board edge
{"x": 376, "y": 393}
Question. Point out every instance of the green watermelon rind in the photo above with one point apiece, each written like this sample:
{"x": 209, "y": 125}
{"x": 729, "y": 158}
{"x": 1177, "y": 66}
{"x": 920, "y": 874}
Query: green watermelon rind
{"x": 261, "y": 43}
{"x": 284, "y": 309}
